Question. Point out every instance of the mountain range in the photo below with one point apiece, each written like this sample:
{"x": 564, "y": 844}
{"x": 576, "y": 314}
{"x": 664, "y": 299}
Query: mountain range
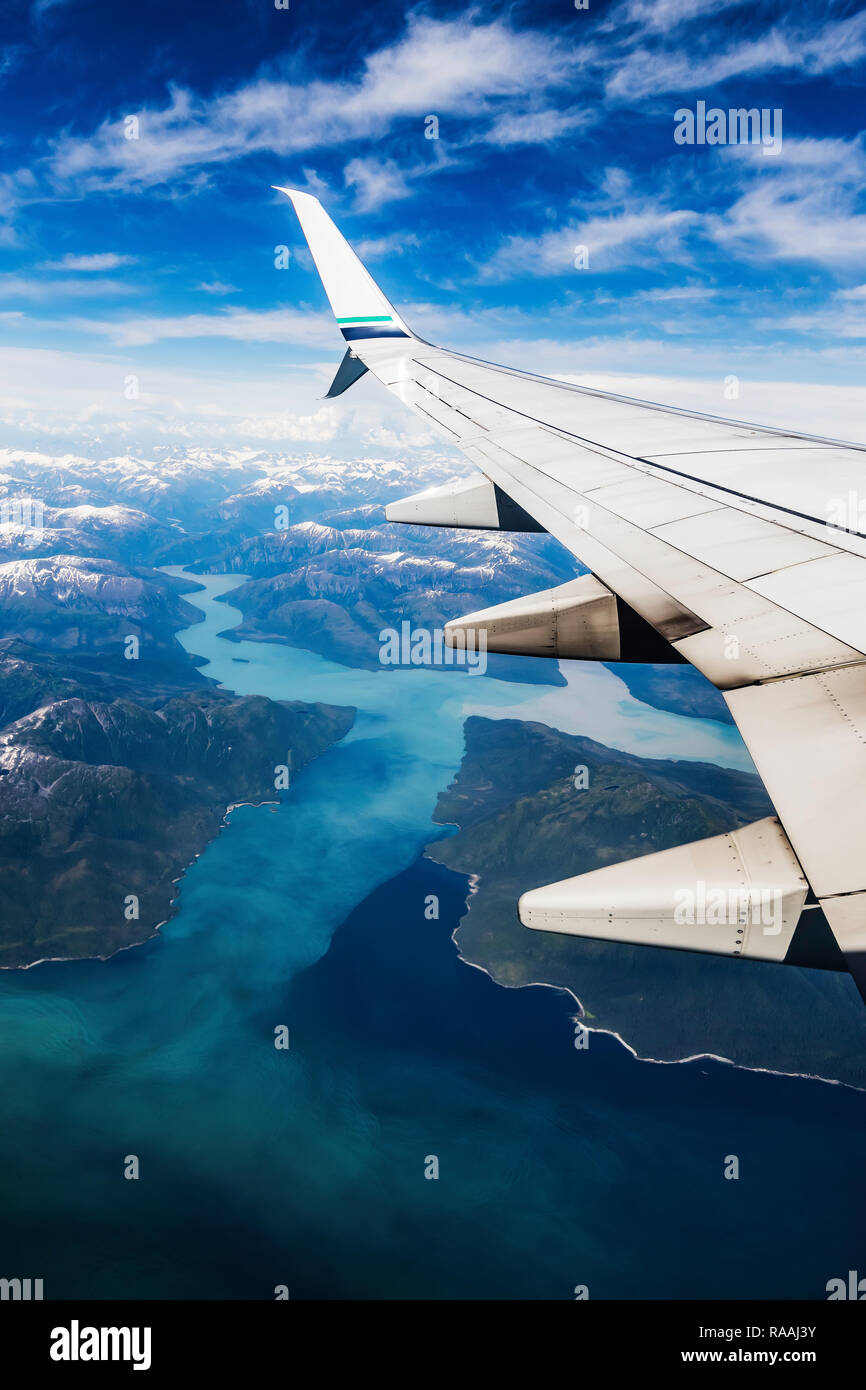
{"x": 116, "y": 751}
{"x": 314, "y": 526}
{"x": 103, "y": 806}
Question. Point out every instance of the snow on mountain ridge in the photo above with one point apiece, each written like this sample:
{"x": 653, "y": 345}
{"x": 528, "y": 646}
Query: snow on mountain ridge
{"x": 182, "y": 483}
{"x": 83, "y": 583}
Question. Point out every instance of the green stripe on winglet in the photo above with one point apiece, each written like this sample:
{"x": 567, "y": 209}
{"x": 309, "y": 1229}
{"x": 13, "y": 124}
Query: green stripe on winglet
{"x": 368, "y": 318}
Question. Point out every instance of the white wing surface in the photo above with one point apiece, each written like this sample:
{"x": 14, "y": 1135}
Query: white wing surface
{"x": 735, "y": 547}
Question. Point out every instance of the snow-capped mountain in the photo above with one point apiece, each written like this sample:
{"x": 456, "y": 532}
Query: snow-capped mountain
{"x": 66, "y": 602}
{"x": 334, "y": 590}
{"x": 102, "y": 799}
{"x": 115, "y": 530}
{"x": 183, "y": 484}
{"x": 309, "y": 530}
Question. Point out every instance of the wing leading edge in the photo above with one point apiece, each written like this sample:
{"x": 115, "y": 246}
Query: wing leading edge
{"x": 726, "y": 544}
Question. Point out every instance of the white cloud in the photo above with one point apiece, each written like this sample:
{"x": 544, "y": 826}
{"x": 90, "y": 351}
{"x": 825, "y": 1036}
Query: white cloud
{"x": 804, "y": 205}
{"x": 455, "y": 66}
{"x": 394, "y": 244}
{"x": 666, "y": 15}
{"x": 102, "y": 260}
{"x": 801, "y": 208}
{"x": 537, "y": 127}
{"x": 243, "y": 325}
{"x": 16, "y": 188}
{"x": 396, "y": 439}
{"x": 321, "y": 427}
{"x": 688, "y": 293}
{"x": 375, "y": 182}
{"x": 86, "y": 402}
{"x": 646, "y": 70}
{"x": 844, "y": 317}
{"x": 646, "y": 233}
{"x": 22, "y": 287}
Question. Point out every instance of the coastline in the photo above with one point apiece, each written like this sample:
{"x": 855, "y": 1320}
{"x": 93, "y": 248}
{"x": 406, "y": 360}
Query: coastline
{"x": 173, "y": 903}
{"x": 472, "y": 884}
{"x": 236, "y": 637}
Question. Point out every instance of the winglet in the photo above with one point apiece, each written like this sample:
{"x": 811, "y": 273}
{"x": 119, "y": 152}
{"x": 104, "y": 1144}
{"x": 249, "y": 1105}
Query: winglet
{"x": 359, "y": 306}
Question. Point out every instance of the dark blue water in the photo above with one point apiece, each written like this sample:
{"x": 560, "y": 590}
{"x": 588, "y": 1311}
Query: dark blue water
{"x": 261, "y": 1167}
{"x": 560, "y": 1166}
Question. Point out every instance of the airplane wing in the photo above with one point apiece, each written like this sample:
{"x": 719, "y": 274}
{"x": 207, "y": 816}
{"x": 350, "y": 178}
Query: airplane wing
{"x": 735, "y": 547}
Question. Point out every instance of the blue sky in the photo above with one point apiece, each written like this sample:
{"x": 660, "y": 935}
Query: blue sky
{"x": 153, "y": 257}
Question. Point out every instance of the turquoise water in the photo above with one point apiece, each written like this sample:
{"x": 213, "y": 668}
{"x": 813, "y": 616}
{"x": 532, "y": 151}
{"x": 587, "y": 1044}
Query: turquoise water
{"x": 261, "y": 1167}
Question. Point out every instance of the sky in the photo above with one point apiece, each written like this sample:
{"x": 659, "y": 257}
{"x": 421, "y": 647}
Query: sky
{"x": 468, "y": 154}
